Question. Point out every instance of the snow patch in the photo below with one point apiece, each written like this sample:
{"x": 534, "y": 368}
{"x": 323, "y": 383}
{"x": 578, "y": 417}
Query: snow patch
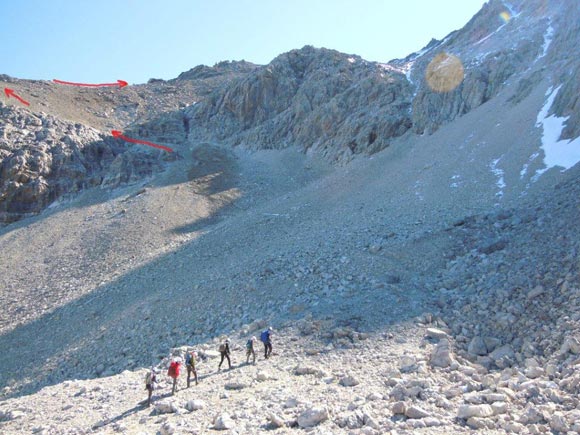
{"x": 499, "y": 173}
{"x": 524, "y": 170}
{"x": 351, "y": 59}
{"x": 561, "y": 153}
{"x": 456, "y": 181}
{"x": 548, "y": 36}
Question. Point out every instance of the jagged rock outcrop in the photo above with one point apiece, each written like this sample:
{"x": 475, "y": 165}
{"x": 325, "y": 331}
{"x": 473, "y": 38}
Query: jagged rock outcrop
{"x": 202, "y": 72}
{"x": 43, "y": 158}
{"x": 316, "y": 99}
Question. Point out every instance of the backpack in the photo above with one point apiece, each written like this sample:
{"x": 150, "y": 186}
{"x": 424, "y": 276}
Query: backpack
{"x": 265, "y": 336}
{"x": 222, "y": 347}
{"x": 249, "y": 344}
{"x": 173, "y": 371}
{"x": 148, "y": 378}
{"x": 188, "y": 359}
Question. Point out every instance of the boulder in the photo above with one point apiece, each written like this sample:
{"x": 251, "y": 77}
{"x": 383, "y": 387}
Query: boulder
{"x": 195, "y": 405}
{"x": 166, "y": 407}
{"x": 435, "y": 333}
{"x": 467, "y": 411}
{"x": 414, "y": 411}
{"x": 275, "y": 420}
{"x": 477, "y": 346}
{"x": 312, "y": 417}
{"x": 223, "y": 422}
{"x": 349, "y": 381}
{"x": 399, "y": 408}
{"x": 441, "y": 356}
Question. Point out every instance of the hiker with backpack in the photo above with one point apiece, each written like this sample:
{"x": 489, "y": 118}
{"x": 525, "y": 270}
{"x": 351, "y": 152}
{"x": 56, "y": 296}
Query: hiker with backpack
{"x": 250, "y": 350}
{"x": 150, "y": 380}
{"x": 266, "y": 337}
{"x": 173, "y": 372}
{"x": 225, "y": 353}
{"x": 190, "y": 365}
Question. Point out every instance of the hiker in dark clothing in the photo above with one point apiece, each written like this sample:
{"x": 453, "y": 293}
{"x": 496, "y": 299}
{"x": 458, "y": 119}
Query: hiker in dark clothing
{"x": 190, "y": 364}
{"x": 150, "y": 380}
{"x": 250, "y": 350}
{"x": 225, "y": 353}
{"x": 266, "y": 338}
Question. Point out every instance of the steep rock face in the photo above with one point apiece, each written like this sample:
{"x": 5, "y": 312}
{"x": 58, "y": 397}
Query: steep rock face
{"x": 313, "y": 98}
{"x": 43, "y": 158}
{"x": 491, "y": 50}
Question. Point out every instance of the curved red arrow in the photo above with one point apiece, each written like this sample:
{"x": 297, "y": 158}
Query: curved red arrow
{"x": 10, "y": 93}
{"x": 119, "y": 135}
{"x": 120, "y": 83}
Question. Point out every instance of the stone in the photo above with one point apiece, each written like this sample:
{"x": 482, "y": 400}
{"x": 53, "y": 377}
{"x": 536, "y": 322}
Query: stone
{"x": 414, "y": 411}
{"x": 223, "y": 422}
{"x": 558, "y": 423}
{"x": 467, "y": 411}
{"x": 263, "y": 375}
{"x": 441, "y": 356}
{"x": 165, "y": 407}
{"x": 503, "y": 356}
{"x": 535, "y": 292}
{"x": 435, "y": 333}
{"x": 480, "y": 423}
{"x": 168, "y": 428}
{"x": 235, "y": 385}
{"x": 399, "y": 408}
{"x": 499, "y": 408}
{"x": 374, "y": 396}
{"x": 570, "y": 344}
{"x": 349, "y": 381}
{"x": 534, "y": 372}
{"x": 477, "y": 346}
{"x": 195, "y": 405}
{"x": 275, "y": 420}
{"x": 312, "y": 417}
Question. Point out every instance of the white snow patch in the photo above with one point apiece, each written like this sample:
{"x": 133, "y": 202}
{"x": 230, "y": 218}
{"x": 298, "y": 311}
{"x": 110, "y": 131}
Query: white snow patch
{"x": 524, "y": 170}
{"x": 561, "y": 153}
{"x": 499, "y": 173}
{"x": 547, "y": 41}
{"x": 351, "y": 59}
{"x": 456, "y": 181}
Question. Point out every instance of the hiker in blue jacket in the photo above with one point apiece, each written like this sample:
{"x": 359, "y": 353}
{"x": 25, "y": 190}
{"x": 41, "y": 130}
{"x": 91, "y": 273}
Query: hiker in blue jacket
{"x": 266, "y": 337}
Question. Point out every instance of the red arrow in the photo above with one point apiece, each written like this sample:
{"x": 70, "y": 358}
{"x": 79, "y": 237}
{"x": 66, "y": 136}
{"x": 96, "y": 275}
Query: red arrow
{"x": 10, "y": 93}
{"x": 120, "y": 83}
{"x": 119, "y": 135}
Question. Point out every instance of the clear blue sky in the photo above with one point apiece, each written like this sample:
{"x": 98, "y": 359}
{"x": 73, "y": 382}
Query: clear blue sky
{"x": 134, "y": 40}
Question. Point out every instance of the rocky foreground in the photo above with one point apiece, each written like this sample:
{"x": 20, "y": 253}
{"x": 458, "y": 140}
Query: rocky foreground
{"x": 462, "y": 349}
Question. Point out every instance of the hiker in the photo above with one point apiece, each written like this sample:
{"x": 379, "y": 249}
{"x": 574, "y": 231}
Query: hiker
{"x": 190, "y": 365}
{"x": 225, "y": 353}
{"x": 173, "y": 372}
{"x": 266, "y": 338}
{"x": 250, "y": 350}
{"x": 150, "y": 380}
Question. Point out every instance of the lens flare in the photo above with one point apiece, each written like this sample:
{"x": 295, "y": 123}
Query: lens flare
{"x": 444, "y": 73}
{"x": 505, "y": 16}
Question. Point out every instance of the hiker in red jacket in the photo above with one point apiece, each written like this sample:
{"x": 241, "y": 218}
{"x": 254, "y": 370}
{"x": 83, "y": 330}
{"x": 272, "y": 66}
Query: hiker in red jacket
{"x": 173, "y": 372}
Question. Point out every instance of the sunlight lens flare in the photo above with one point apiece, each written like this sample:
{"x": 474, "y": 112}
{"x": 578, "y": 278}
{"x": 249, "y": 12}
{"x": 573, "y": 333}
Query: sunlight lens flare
{"x": 444, "y": 73}
{"x": 505, "y": 16}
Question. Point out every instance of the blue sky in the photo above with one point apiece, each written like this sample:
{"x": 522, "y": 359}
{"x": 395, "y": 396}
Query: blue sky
{"x": 134, "y": 40}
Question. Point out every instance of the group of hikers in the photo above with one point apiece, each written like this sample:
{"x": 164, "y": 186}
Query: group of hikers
{"x": 190, "y": 359}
